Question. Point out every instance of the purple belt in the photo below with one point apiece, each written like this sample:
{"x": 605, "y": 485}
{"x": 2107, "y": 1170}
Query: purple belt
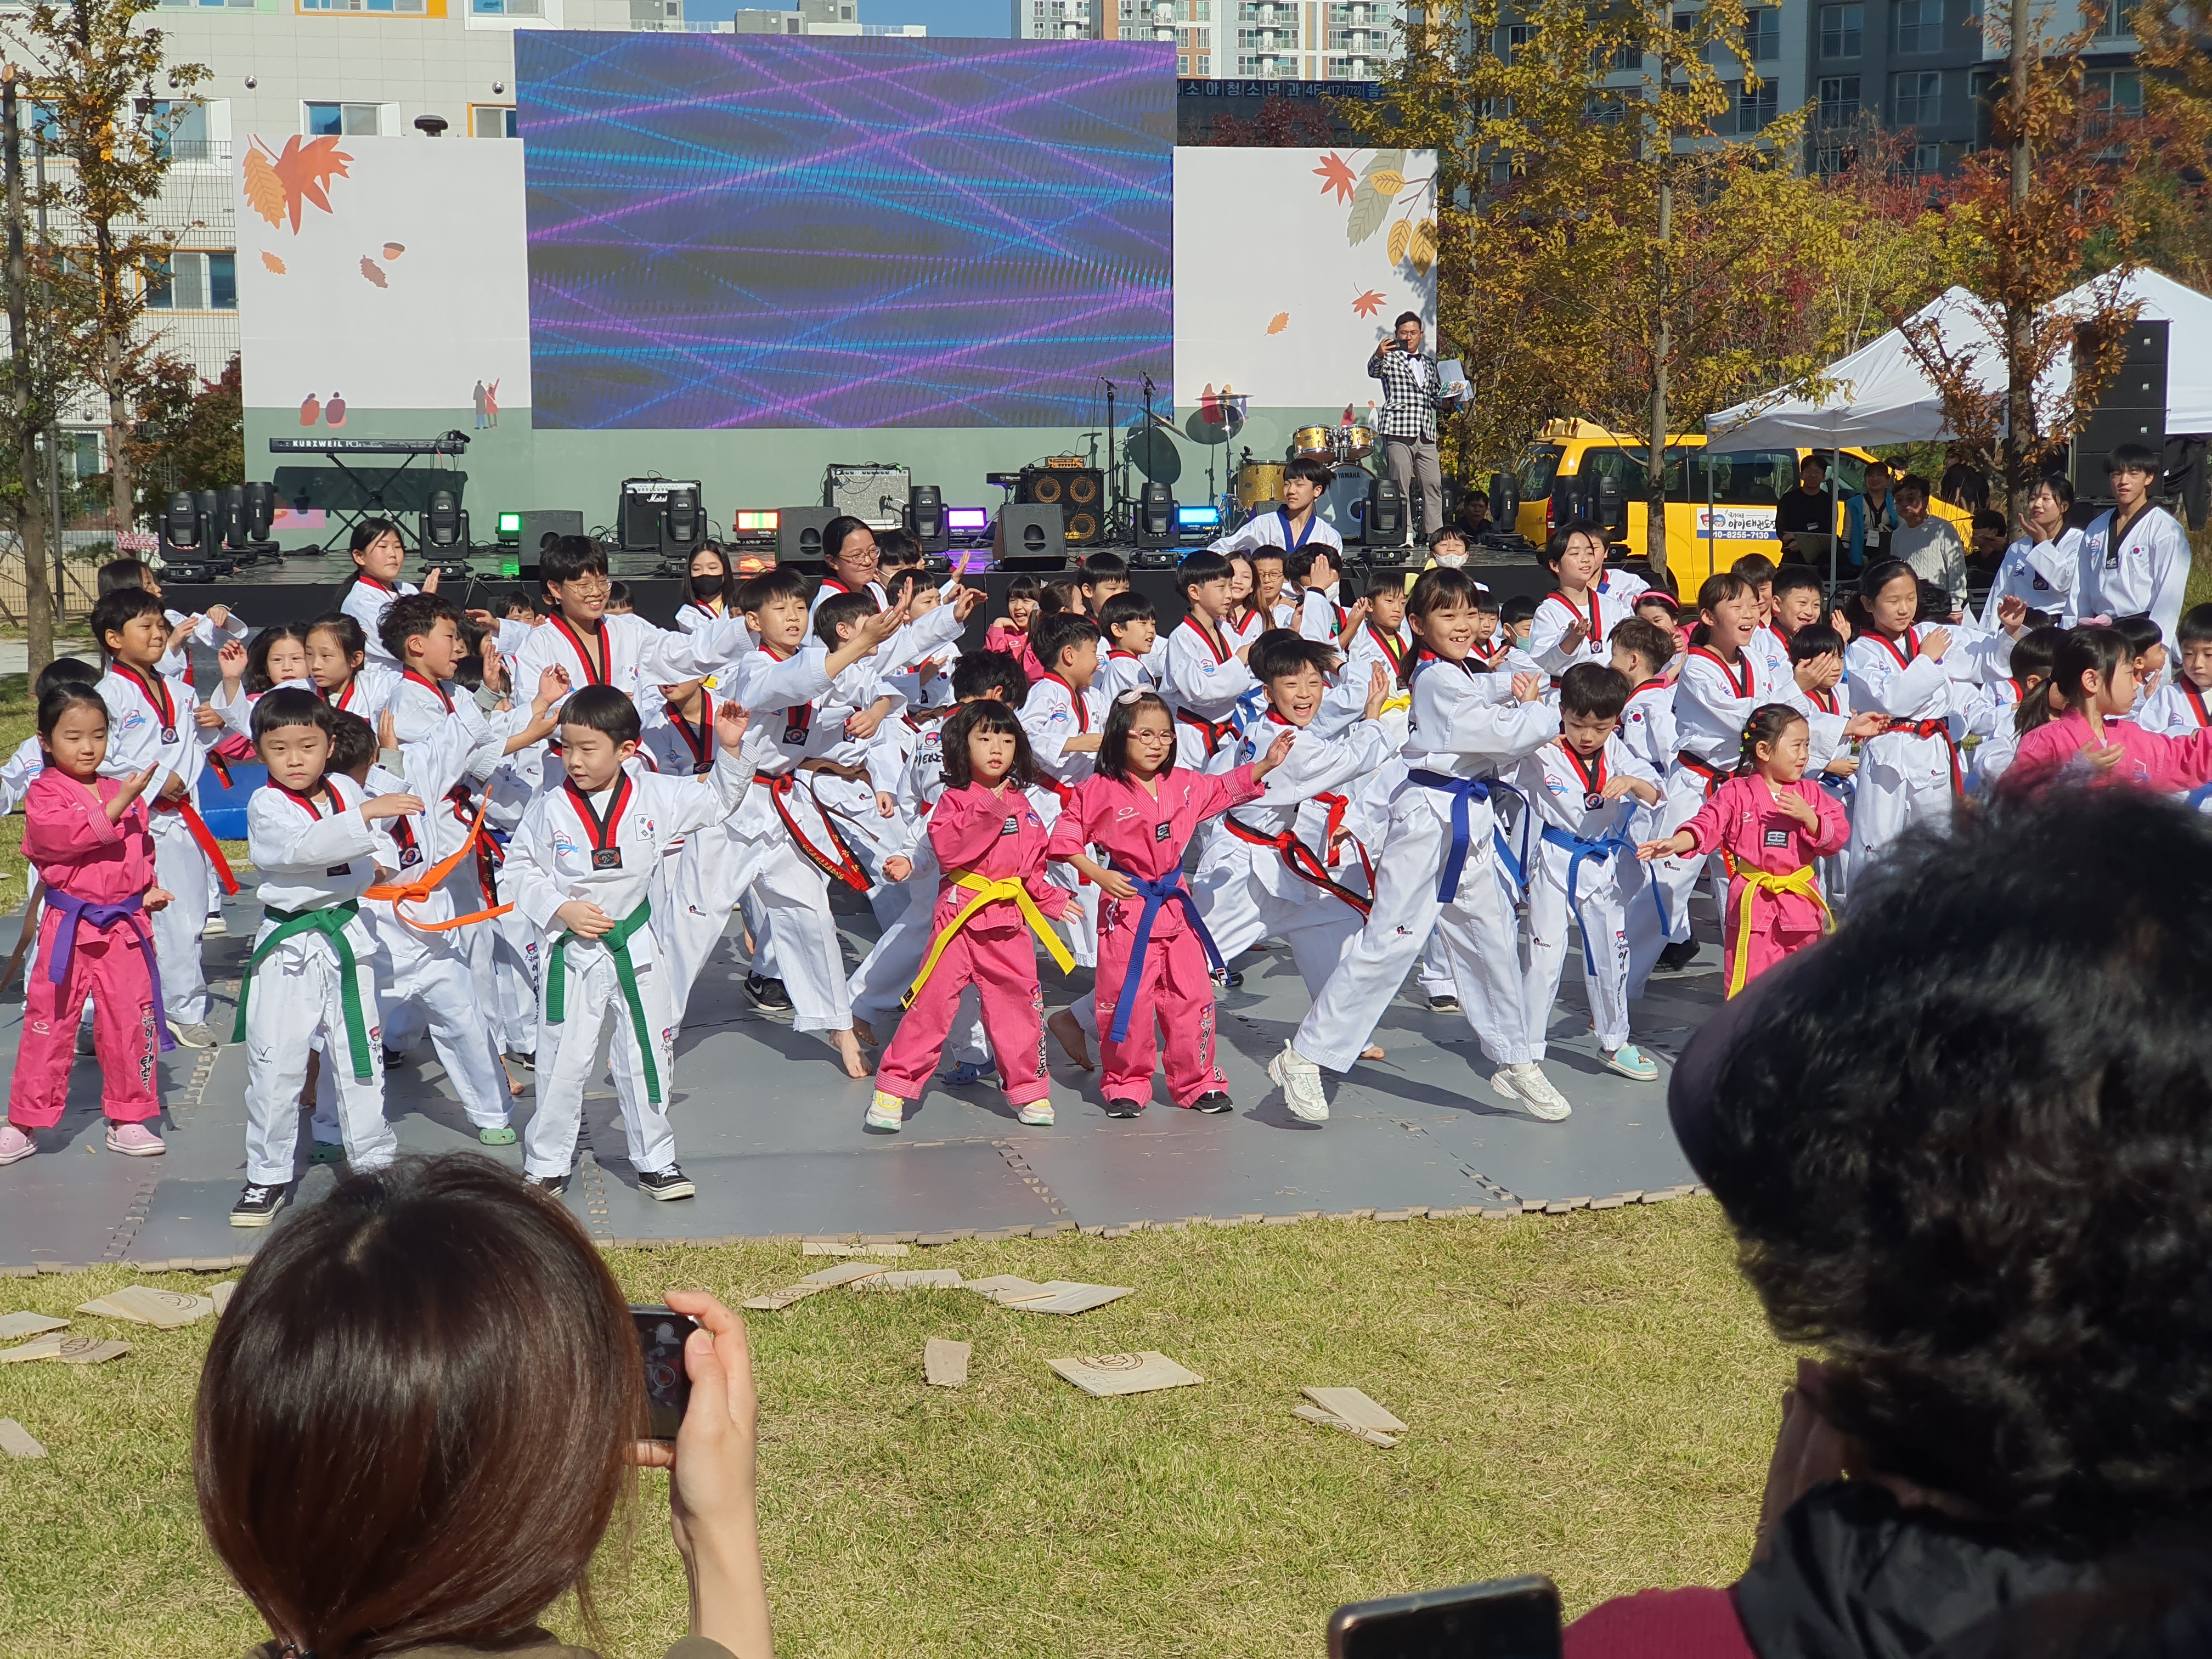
{"x": 73, "y": 911}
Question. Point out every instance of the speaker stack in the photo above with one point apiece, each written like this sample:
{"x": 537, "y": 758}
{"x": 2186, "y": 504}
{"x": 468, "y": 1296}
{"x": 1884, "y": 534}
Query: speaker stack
{"x": 799, "y": 536}
{"x": 1079, "y": 491}
{"x": 2132, "y": 410}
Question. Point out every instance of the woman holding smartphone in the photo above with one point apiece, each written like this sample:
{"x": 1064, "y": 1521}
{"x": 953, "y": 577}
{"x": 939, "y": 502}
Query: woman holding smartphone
{"x": 421, "y": 1409}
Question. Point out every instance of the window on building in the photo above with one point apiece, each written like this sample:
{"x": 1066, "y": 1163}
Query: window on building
{"x": 2110, "y": 95}
{"x": 1756, "y": 108}
{"x": 1919, "y": 25}
{"x": 1517, "y": 35}
{"x": 389, "y": 8}
{"x": 1762, "y": 34}
{"x": 183, "y": 124}
{"x": 179, "y": 5}
{"x": 1927, "y": 161}
{"x": 193, "y": 282}
{"x": 1843, "y": 31}
{"x": 492, "y": 121}
{"x": 2113, "y": 25}
{"x": 1917, "y": 97}
{"x": 342, "y": 120}
{"x": 1838, "y": 102}
{"x": 507, "y": 7}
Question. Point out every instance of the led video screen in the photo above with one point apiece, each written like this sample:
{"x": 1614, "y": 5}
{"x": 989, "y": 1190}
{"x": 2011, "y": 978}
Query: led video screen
{"x": 772, "y": 231}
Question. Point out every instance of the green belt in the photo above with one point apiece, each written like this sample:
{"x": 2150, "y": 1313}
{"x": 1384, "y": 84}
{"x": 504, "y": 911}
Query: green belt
{"x": 331, "y": 922}
{"x": 617, "y": 940}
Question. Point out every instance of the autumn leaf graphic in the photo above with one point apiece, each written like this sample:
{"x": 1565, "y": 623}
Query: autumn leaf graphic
{"x": 1401, "y": 234}
{"x": 374, "y": 272}
{"x": 1387, "y": 181}
{"x": 1281, "y": 321}
{"x": 275, "y": 265}
{"x": 1368, "y": 303}
{"x": 276, "y": 185}
{"x": 1335, "y": 174}
{"x": 1423, "y": 247}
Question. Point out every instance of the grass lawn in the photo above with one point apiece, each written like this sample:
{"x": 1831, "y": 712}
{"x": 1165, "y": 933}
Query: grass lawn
{"x": 1591, "y": 1396}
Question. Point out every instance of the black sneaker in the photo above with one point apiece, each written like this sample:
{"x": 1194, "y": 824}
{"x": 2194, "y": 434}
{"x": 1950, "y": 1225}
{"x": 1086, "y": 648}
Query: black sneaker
{"x": 1446, "y": 1003}
{"x": 1675, "y": 957}
{"x": 664, "y": 1184}
{"x": 1212, "y": 1101}
{"x": 552, "y": 1186}
{"x": 768, "y": 992}
{"x": 1228, "y": 979}
{"x": 1124, "y": 1107}
{"x": 257, "y": 1205}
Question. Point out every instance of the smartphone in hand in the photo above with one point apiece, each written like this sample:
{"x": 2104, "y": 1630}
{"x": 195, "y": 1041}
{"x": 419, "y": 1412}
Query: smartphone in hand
{"x": 1503, "y": 1618}
{"x": 661, "y": 1334}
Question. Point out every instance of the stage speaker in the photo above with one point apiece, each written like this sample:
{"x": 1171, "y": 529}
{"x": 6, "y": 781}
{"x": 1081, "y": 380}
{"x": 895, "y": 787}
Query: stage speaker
{"x": 2132, "y": 410}
{"x": 1029, "y": 537}
{"x": 1384, "y": 522}
{"x": 683, "y": 522}
{"x": 799, "y": 535}
{"x": 537, "y": 527}
{"x": 444, "y": 525}
{"x": 1079, "y": 492}
{"x": 1156, "y": 526}
{"x": 924, "y": 519}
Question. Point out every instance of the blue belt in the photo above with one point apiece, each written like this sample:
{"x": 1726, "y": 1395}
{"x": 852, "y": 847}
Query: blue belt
{"x": 1156, "y": 891}
{"x": 1249, "y": 709}
{"x": 73, "y": 911}
{"x": 1604, "y": 847}
{"x": 1463, "y": 791}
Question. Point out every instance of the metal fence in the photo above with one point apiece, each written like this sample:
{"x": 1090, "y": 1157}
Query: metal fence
{"x": 80, "y": 585}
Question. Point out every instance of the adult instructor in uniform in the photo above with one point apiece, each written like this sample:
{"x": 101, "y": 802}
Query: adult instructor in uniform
{"x": 1411, "y": 392}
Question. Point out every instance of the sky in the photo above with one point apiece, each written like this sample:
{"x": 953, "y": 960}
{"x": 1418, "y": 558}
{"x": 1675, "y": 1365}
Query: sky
{"x": 989, "y": 18}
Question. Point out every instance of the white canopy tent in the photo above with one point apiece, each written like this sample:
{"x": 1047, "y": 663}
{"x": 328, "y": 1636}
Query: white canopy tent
{"x": 1880, "y": 394}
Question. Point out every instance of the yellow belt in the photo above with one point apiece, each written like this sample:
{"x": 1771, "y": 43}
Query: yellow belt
{"x": 988, "y": 892}
{"x": 1757, "y": 881}
{"x": 1403, "y": 700}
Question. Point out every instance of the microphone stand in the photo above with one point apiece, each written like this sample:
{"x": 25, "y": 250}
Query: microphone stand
{"x": 1112, "y": 479}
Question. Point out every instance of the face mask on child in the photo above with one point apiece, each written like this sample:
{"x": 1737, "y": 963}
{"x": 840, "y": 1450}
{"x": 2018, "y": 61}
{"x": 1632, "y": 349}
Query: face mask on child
{"x": 1451, "y": 561}
{"x": 706, "y": 587}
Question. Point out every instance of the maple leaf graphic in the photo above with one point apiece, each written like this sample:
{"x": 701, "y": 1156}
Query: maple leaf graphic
{"x": 1335, "y": 174}
{"x": 1368, "y": 303}
{"x": 275, "y": 186}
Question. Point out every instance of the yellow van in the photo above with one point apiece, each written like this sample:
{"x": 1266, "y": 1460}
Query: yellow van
{"x": 1735, "y": 492}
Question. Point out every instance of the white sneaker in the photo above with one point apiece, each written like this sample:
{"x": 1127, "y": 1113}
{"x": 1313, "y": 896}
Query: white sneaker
{"x": 215, "y": 926}
{"x": 1525, "y": 1084}
{"x": 1299, "y": 1079}
{"x": 885, "y": 1111}
{"x": 1038, "y": 1114}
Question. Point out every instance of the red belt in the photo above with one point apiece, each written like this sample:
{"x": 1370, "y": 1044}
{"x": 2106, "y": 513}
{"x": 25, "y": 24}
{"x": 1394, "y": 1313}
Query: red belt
{"x": 844, "y": 866}
{"x": 1932, "y": 729}
{"x": 1215, "y": 730}
{"x": 1302, "y": 861}
{"x": 202, "y": 835}
{"x": 1713, "y": 776}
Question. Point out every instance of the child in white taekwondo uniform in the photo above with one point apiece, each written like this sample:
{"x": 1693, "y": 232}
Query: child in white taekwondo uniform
{"x": 850, "y": 745}
{"x": 1574, "y": 621}
{"x": 1207, "y": 684}
{"x": 378, "y": 554}
{"x": 1584, "y": 787}
{"x": 1290, "y": 864}
{"x": 1383, "y": 639}
{"x": 150, "y": 723}
{"x": 1133, "y": 656}
{"x": 2135, "y": 559}
{"x": 310, "y": 981}
{"x": 581, "y": 862}
{"x": 1436, "y": 870}
{"x": 784, "y": 847}
{"x": 2042, "y": 568}
{"x": 1064, "y": 717}
{"x": 879, "y": 983}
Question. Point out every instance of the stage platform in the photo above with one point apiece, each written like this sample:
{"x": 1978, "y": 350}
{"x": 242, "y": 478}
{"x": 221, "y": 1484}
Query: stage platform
{"x": 770, "y": 1128}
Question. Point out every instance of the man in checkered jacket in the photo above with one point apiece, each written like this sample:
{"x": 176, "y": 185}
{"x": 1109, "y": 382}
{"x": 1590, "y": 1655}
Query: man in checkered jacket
{"x": 1407, "y": 422}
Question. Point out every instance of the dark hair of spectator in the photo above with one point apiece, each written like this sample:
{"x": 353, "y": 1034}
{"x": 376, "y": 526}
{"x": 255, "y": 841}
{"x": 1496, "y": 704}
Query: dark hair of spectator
{"x": 1444, "y": 587}
{"x": 2194, "y": 628}
{"x": 986, "y": 714}
{"x": 778, "y": 582}
{"x": 64, "y": 671}
{"x": 1200, "y": 566}
{"x": 353, "y": 641}
{"x": 2132, "y": 457}
{"x": 257, "y": 679}
{"x": 1310, "y": 469}
{"x": 1555, "y": 548}
{"x": 1097, "y": 567}
{"x": 2140, "y": 632}
{"x": 112, "y": 610}
{"x": 417, "y": 1429}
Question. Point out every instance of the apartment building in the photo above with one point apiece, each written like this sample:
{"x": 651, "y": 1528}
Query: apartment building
{"x": 1246, "y": 39}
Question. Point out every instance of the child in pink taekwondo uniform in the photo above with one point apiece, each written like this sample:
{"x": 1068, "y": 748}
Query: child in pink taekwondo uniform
{"x": 1141, "y": 811}
{"x": 1769, "y": 823}
{"x": 993, "y": 904}
{"x": 92, "y": 843}
{"x": 2092, "y": 742}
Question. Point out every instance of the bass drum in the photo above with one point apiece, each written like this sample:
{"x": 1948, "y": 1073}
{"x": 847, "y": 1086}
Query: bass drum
{"x": 1316, "y": 440}
{"x": 1258, "y": 482}
{"x": 1354, "y": 443}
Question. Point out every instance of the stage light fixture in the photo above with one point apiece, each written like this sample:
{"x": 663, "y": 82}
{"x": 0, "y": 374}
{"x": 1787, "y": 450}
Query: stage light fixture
{"x": 1156, "y": 520}
{"x": 510, "y": 526}
{"x": 750, "y": 545}
{"x": 684, "y": 524}
{"x": 260, "y": 510}
{"x": 180, "y": 523}
{"x": 1384, "y": 522}
{"x": 442, "y": 522}
{"x": 924, "y": 517}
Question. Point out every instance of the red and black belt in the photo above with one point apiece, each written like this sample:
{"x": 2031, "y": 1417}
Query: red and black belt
{"x": 839, "y": 863}
{"x": 1302, "y": 861}
{"x": 1932, "y": 729}
{"x": 1713, "y": 776}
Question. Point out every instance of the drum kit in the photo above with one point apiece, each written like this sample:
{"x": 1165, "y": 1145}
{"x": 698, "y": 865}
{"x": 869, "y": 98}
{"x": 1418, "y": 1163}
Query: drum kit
{"x": 1343, "y": 448}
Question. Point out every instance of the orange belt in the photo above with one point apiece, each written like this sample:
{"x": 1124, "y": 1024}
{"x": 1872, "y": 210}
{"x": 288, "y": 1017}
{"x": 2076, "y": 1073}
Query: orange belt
{"x": 1931, "y": 729}
{"x": 843, "y": 867}
{"x": 202, "y": 835}
{"x": 419, "y": 890}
